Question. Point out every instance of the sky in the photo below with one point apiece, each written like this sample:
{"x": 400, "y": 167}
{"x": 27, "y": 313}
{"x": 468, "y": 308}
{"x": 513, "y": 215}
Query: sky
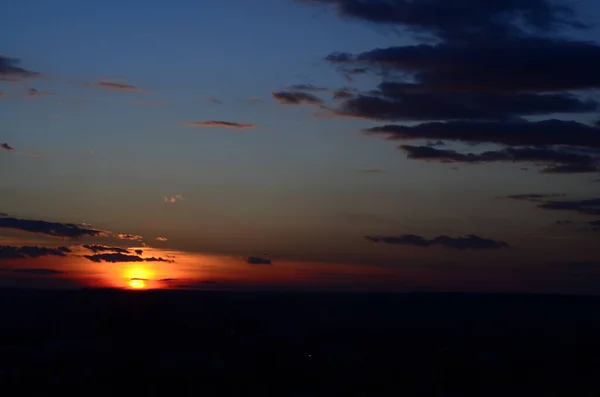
{"x": 346, "y": 145}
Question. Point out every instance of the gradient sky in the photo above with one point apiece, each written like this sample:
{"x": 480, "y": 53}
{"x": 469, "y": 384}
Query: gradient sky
{"x": 214, "y": 126}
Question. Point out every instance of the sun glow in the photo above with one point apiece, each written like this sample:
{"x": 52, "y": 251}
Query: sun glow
{"x": 137, "y": 283}
{"x": 137, "y": 277}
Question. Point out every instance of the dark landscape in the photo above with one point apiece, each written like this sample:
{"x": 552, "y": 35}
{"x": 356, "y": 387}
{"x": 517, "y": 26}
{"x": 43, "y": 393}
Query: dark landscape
{"x": 97, "y": 342}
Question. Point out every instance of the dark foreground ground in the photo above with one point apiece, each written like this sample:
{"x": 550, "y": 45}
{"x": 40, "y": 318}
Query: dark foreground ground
{"x": 95, "y": 342}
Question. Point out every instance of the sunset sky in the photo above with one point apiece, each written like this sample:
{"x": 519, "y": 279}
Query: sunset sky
{"x": 381, "y": 145}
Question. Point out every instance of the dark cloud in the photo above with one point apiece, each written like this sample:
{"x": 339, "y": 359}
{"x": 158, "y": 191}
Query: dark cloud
{"x": 570, "y": 169}
{"x": 153, "y": 259}
{"x": 561, "y": 222}
{"x": 435, "y": 143}
{"x": 222, "y": 124}
{"x": 118, "y": 257}
{"x": 406, "y": 105}
{"x": 587, "y": 206}
{"x": 9, "y": 71}
{"x": 595, "y": 223}
{"x": 349, "y": 73}
{"x": 370, "y": 171}
{"x": 343, "y": 93}
{"x": 37, "y": 271}
{"x": 139, "y": 252}
{"x": 562, "y": 160}
{"x": 6, "y": 147}
{"x": 539, "y": 64}
{"x": 9, "y": 252}
{"x": 462, "y": 20}
{"x": 296, "y": 98}
{"x": 305, "y": 87}
{"x": 483, "y": 66}
{"x": 534, "y": 197}
{"x": 517, "y": 133}
{"x": 104, "y": 248}
{"x": 255, "y": 260}
{"x": 3, "y": 214}
{"x": 53, "y": 229}
{"x": 460, "y": 243}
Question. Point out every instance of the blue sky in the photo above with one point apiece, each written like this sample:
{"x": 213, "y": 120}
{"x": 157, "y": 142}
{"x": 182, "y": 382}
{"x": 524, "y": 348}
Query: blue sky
{"x": 294, "y": 186}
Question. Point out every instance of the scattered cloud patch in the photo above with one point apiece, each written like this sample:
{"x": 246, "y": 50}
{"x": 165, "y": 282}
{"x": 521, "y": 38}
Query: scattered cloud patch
{"x": 127, "y": 236}
{"x": 173, "y": 199}
{"x": 460, "y": 243}
{"x": 371, "y": 171}
{"x": 479, "y": 69}
{"x": 161, "y": 239}
{"x": 221, "y": 124}
{"x": 139, "y": 252}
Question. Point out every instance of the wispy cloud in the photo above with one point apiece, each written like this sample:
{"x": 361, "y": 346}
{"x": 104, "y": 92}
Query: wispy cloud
{"x": 33, "y": 93}
{"x": 117, "y": 86}
{"x": 254, "y": 99}
{"x": 213, "y": 100}
{"x": 221, "y": 124}
{"x": 305, "y": 87}
{"x": 161, "y": 239}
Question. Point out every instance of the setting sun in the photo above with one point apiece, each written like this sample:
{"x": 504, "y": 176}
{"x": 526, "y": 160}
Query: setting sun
{"x": 137, "y": 283}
